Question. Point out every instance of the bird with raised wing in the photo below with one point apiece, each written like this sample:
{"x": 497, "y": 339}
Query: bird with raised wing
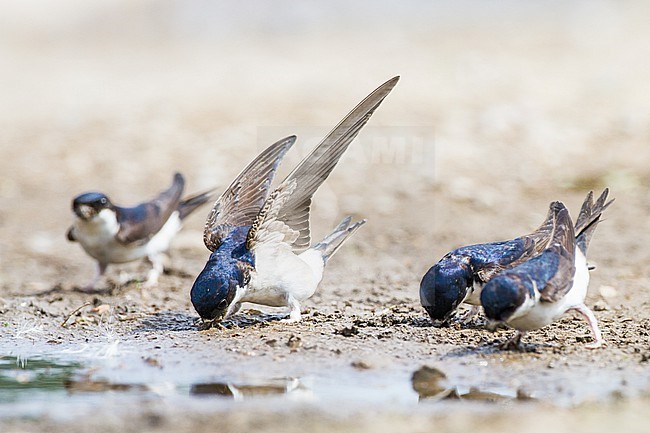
{"x": 260, "y": 241}
{"x": 113, "y": 234}
{"x": 537, "y": 292}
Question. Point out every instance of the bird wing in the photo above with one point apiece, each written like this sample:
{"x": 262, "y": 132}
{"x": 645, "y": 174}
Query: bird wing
{"x": 563, "y": 244}
{"x": 541, "y": 237}
{"x": 506, "y": 255}
{"x": 501, "y": 256}
{"x": 292, "y": 202}
{"x": 141, "y": 222}
{"x": 239, "y": 205}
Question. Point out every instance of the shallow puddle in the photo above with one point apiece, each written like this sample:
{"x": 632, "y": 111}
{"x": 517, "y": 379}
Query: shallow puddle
{"x": 34, "y": 386}
{"x": 20, "y": 378}
{"x": 70, "y": 381}
{"x": 37, "y": 386}
{"x": 433, "y": 385}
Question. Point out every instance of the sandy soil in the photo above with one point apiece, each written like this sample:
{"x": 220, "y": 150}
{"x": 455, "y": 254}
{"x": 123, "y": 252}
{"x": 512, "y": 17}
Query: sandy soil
{"x": 499, "y": 112}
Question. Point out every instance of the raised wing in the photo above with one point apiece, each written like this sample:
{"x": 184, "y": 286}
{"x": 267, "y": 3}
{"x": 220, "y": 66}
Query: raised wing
{"x": 563, "y": 244}
{"x": 267, "y": 228}
{"x": 239, "y": 205}
{"x": 141, "y": 222}
{"x": 315, "y": 168}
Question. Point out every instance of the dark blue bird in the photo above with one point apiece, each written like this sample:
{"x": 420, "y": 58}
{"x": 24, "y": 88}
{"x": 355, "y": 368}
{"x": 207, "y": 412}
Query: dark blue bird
{"x": 460, "y": 275}
{"x": 260, "y": 241}
{"x": 538, "y": 291}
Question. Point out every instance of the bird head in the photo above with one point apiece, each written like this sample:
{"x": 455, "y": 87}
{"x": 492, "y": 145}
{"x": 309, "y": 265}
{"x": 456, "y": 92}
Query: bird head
{"x": 87, "y": 206}
{"x": 500, "y": 298}
{"x": 444, "y": 287}
{"x": 213, "y": 292}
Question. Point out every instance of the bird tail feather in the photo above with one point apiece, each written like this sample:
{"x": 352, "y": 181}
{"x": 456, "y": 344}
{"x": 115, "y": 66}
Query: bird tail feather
{"x": 589, "y": 217}
{"x": 192, "y": 203}
{"x": 332, "y": 242}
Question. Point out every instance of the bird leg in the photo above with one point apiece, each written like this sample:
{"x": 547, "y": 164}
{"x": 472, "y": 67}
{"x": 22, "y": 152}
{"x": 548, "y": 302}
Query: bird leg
{"x": 157, "y": 268}
{"x": 101, "y": 269}
{"x": 593, "y": 324}
{"x": 294, "y": 314}
{"x": 514, "y": 343}
{"x": 467, "y": 316}
{"x": 232, "y": 310}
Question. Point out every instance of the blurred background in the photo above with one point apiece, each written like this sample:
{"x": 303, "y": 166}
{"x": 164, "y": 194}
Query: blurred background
{"x": 502, "y": 107}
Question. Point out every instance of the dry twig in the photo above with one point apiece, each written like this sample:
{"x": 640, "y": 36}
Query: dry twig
{"x": 76, "y": 310}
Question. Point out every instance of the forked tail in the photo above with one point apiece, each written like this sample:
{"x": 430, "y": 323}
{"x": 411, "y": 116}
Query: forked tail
{"x": 333, "y": 241}
{"x": 192, "y": 203}
{"x": 589, "y": 218}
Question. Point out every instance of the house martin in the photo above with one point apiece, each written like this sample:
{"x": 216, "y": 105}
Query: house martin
{"x": 460, "y": 275}
{"x": 538, "y": 291}
{"x": 260, "y": 241}
{"x": 113, "y": 234}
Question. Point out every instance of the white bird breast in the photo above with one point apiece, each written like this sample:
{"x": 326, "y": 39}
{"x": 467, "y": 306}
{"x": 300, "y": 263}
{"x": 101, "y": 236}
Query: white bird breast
{"x": 280, "y": 273}
{"x": 473, "y": 296}
{"x": 97, "y": 237}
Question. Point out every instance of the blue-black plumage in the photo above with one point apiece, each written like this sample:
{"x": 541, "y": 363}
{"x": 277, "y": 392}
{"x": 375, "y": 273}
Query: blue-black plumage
{"x": 538, "y": 291}
{"x": 502, "y": 295}
{"x": 226, "y": 269}
{"x": 460, "y": 274}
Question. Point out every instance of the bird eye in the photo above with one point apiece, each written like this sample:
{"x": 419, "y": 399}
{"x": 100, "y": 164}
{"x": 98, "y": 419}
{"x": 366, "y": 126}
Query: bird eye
{"x": 223, "y": 304}
{"x": 103, "y": 200}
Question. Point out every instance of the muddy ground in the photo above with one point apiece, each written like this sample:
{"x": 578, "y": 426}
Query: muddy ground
{"x": 499, "y": 111}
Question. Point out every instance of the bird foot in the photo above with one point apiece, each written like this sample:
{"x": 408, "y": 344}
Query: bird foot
{"x": 595, "y": 345}
{"x": 91, "y": 290}
{"x": 150, "y": 283}
{"x": 88, "y": 288}
{"x": 510, "y": 345}
{"x": 294, "y": 312}
{"x": 467, "y": 316}
{"x": 513, "y": 344}
{"x": 152, "y": 279}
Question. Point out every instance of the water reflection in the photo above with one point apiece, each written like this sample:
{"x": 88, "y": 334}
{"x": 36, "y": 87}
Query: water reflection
{"x": 19, "y": 375}
{"x": 20, "y": 378}
{"x": 271, "y": 387}
{"x": 85, "y": 384}
{"x": 53, "y": 381}
{"x": 432, "y": 384}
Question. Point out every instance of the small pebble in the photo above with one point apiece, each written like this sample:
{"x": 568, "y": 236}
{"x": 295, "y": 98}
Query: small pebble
{"x": 601, "y": 306}
{"x": 607, "y": 291}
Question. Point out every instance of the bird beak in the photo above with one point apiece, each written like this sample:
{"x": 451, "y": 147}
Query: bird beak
{"x": 84, "y": 212}
{"x": 209, "y": 324}
{"x": 492, "y": 325}
{"x": 441, "y": 323}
